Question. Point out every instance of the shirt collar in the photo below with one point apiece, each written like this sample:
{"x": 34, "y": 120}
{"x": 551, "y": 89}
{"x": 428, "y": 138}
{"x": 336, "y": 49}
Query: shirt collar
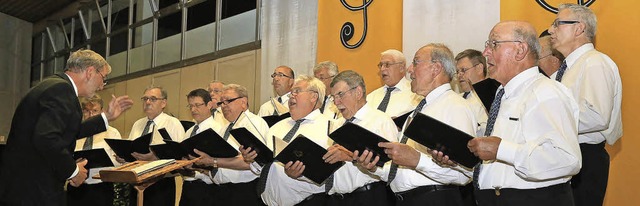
{"x": 285, "y": 97}
{"x": 75, "y": 89}
{"x": 519, "y": 80}
{"x": 433, "y": 95}
{"x": 311, "y": 116}
{"x": 573, "y": 57}
{"x": 402, "y": 85}
{"x": 362, "y": 112}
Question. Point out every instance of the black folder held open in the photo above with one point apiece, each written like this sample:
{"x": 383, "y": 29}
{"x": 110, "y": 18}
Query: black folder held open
{"x": 206, "y": 141}
{"x": 247, "y": 139}
{"x": 310, "y": 154}
{"x": 96, "y": 158}
{"x": 123, "y": 148}
{"x": 399, "y": 120}
{"x": 437, "y": 135}
{"x": 273, "y": 119}
{"x": 354, "y": 137}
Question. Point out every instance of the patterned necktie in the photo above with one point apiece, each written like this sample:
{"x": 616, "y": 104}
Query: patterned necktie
{"x": 262, "y": 182}
{"x": 194, "y": 131}
{"x": 88, "y": 143}
{"x": 226, "y": 132}
{"x": 213, "y": 112}
{"x": 329, "y": 182}
{"x": 394, "y": 167}
{"x": 466, "y": 94}
{"x": 324, "y": 103}
{"x": 493, "y": 114}
{"x": 563, "y": 67}
{"x": 385, "y": 101}
{"x": 280, "y": 99}
{"x": 146, "y": 127}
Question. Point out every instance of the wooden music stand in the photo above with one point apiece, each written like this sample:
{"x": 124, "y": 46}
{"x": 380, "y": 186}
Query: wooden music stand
{"x": 124, "y": 174}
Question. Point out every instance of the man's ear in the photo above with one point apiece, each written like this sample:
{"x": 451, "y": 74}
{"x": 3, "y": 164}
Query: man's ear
{"x": 522, "y": 49}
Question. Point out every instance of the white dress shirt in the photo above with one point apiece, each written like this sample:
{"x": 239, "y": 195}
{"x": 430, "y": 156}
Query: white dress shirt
{"x": 267, "y": 108}
{"x": 402, "y": 99}
{"x": 595, "y": 84}
{"x": 218, "y": 118}
{"x": 479, "y": 112}
{"x": 208, "y": 123}
{"x": 280, "y": 188}
{"x": 349, "y": 177}
{"x": 173, "y": 126}
{"x": 537, "y": 123}
{"x": 450, "y": 108}
{"x": 98, "y": 142}
{"x": 331, "y": 110}
{"x": 259, "y": 128}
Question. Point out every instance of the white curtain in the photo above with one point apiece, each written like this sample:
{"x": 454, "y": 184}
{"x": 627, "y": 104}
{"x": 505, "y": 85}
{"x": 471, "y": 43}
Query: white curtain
{"x": 289, "y": 37}
{"x": 459, "y": 24}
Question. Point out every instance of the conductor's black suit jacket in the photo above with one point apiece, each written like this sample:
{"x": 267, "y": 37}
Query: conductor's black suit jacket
{"x": 38, "y": 158}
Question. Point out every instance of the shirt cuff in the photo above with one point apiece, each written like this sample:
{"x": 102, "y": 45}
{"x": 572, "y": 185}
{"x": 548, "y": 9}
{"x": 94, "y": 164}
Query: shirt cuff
{"x": 507, "y": 151}
{"x": 255, "y": 168}
{"x": 423, "y": 163}
{"x": 106, "y": 121}
{"x": 75, "y": 172}
{"x": 206, "y": 178}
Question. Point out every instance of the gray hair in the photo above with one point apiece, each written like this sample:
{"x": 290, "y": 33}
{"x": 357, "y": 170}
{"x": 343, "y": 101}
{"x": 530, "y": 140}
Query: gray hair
{"x": 162, "y": 91}
{"x": 441, "y": 53}
{"x": 332, "y": 68}
{"x": 313, "y": 84}
{"x": 584, "y": 15}
{"x": 82, "y": 59}
{"x": 397, "y": 55}
{"x": 529, "y": 36}
{"x": 241, "y": 90}
{"x": 350, "y": 77}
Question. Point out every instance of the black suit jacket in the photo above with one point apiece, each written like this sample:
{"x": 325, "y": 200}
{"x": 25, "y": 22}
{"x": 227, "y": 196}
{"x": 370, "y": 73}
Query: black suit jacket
{"x": 486, "y": 90}
{"x": 38, "y": 157}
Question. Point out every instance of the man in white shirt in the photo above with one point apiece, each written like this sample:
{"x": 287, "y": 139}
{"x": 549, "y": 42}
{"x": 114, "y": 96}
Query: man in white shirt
{"x": 395, "y": 97}
{"x": 550, "y": 59}
{"x": 154, "y": 101}
{"x": 94, "y": 191}
{"x": 197, "y": 188}
{"x": 350, "y": 185}
{"x": 594, "y": 81}
{"x": 531, "y": 149}
{"x": 414, "y": 177}
{"x": 475, "y": 85}
{"x": 283, "y": 78}
{"x": 215, "y": 90}
{"x": 282, "y": 183}
{"x": 325, "y": 71}
{"x": 236, "y": 182}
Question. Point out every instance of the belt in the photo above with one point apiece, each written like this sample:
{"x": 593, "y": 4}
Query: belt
{"x": 364, "y": 188}
{"x": 310, "y": 197}
{"x": 423, "y": 189}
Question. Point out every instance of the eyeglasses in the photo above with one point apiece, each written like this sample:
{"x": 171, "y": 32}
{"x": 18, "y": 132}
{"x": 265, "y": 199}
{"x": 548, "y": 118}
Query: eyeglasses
{"x": 295, "y": 92}
{"x": 493, "y": 43}
{"x": 557, "y": 23}
{"x": 415, "y": 62}
{"x": 339, "y": 95}
{"x": 91, "y": 112}
{"x": 461, "y": 71}
{"x": 152, "y": 99}
{"x": 104, "y": 79}
{"x": 325, "y": 78}
{"x": 227, "y": 102}
{"x": 274, "y": 75}
{"x": 387, "y": 64}
{"x": 196, "y": 105}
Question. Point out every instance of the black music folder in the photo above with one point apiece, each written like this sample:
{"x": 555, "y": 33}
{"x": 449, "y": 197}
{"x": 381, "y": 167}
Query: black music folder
{"x": 354, "y": 137}
{"x": 273, "y": 119}
{"x": 206, "y": 141}
{"x": 96, "y": 158}
{"x": 308, "y": 152}
{"x": 247, "y": 139}
{"x": 437, "y": 135}
{"x": 187, "y": 124}
{"x": 399, "y": 120}
{"x": 123, "y": 148}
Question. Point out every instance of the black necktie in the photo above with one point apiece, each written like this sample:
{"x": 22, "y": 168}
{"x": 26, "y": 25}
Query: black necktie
{"x": 385, "y": 101}
{"x": 466, "y": 94}
{"x": 563, "y": 67}
{"x": 394, "y": 167}
{"x": 493, "y": 114}
{"x": 146, "y": 127}
{"x": 324, "y": 103}
{"x": 329, "y": 182}
{"x": 88, "y": 143}
{"x": 226, "y": 132}
{"x": 262, "y": 182}
{"x": 194, "y": 131}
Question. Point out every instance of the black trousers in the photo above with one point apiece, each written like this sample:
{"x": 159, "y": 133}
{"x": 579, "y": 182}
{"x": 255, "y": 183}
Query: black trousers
{"x": 467, "y": 195}
{"x": 238, "y": 194}
{"x": 197, "y": 193}
{"x": 432, "y": 195}
{"x": 319, "y": 199}
{"x": 162, "y": 193}
{"x": 590, "y": 184}
{"x": 376, "y": 195}
{"x": 559, "y": 195}
{"x": 100, "y": 194}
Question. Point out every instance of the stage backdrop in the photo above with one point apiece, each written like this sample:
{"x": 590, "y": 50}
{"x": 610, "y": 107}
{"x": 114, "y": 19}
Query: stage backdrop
{"x": 407, "y": 25}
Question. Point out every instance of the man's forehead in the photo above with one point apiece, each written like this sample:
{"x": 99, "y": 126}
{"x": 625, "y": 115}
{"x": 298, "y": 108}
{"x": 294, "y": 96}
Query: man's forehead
{"x": 195, "y": 99}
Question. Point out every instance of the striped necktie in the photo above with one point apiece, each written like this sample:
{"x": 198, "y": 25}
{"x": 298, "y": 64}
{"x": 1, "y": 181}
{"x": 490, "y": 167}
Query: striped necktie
{"x": 385, "y": 101}
{"x": 394, "y": 167}
{"x": 561, "y": 70}
{"x": 493, "y": 115}
{"x": 262, "y": 182}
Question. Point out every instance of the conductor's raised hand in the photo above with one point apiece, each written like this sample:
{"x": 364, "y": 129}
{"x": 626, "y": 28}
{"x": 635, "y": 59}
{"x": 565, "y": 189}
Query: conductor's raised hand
{"x": 117, "y": 106}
